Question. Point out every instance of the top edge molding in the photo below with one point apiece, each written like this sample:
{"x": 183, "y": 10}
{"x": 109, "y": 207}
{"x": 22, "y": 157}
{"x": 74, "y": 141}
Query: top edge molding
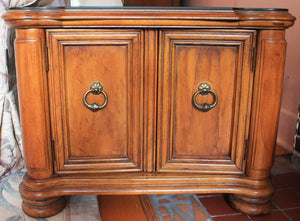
{"x": 149, "y": 17}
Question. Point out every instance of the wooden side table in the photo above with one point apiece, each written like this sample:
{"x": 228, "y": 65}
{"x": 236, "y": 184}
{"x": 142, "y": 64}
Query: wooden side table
{"x": 148, "y": 101}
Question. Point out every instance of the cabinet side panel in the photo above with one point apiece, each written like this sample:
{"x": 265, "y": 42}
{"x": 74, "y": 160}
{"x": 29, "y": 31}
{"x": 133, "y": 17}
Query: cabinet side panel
{"x": 32, "y": 86}
{"x": 266, "y": 102}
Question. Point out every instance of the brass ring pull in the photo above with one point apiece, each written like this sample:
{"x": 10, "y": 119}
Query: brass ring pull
{"x": 204, "y": 89}
{"x": 96, "y": 88}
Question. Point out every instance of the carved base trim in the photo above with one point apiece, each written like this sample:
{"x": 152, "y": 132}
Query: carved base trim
{"x": 250, "y": 206}
{"x": 143, "y": 183}
{"x": 43, "y": 208}
{"x": 41, "y": 197}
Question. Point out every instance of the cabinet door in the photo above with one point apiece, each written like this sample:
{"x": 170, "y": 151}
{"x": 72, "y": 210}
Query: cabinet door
{"x": 192, "y": 139}
{"x": 85, "y": 139}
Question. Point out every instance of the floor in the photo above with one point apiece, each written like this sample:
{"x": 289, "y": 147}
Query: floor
{"x": 184, "y": 207}
{"x": 286, "y": 201}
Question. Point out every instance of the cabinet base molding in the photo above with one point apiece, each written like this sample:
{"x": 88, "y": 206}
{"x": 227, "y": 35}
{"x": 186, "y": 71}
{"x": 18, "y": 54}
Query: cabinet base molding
{"x": 43, "y": 208}
{"x": 250, "y": 206}
{"x": 44, "y": 194}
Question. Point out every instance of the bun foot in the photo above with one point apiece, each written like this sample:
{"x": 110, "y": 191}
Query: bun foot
{"x": 250, "y": 206}
{"x": 43, "y": 208}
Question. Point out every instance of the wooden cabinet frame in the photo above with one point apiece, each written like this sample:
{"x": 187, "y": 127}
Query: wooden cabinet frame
{"x": 257, "y": 36}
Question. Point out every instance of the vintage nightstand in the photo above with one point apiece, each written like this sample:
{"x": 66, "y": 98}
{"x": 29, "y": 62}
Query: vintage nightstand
{"x": 148, "y": 101}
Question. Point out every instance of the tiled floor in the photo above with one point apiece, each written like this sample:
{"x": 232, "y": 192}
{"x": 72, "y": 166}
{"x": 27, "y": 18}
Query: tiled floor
{"x": 286, "y": 201}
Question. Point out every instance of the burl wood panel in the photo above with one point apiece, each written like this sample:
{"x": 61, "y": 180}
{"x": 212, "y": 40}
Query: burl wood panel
{"x": 189, "y": 139}
{"x": 111, "y": 138}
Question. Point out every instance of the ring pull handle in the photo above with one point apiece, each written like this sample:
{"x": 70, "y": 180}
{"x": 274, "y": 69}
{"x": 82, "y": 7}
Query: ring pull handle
{"x": 204, "y": 89}
{"x": 96, "y": 88}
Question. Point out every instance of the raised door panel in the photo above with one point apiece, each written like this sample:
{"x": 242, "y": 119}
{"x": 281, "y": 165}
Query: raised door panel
{"x": 189, "y": 139}
{"x": 109, "y": 139}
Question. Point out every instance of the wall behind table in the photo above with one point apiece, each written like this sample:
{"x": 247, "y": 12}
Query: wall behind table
{"x": 291, "y": 85}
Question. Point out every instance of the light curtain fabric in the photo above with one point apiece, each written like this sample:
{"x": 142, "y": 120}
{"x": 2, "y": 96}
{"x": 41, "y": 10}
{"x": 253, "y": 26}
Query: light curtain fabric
{"x": 10, "y": 131}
